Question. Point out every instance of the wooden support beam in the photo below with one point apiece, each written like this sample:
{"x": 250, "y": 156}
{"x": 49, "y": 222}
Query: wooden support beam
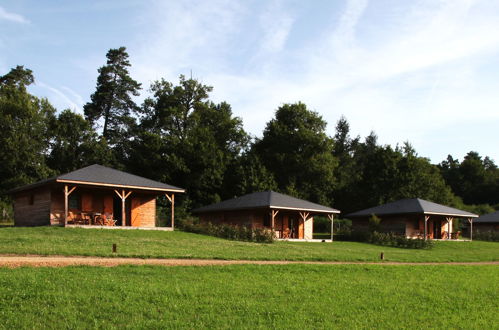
{"x": 123, "y": 213}
{"x": 173, "y": 210}
{"x": 470, "y": 220}
{"x": 67, "y": 192}
{"x": 171, "y": 199}
{"x": 66, "y": 205}
{"x": 123, "y": 195}
{"x": 426, "y": 218}
{"x": 448, "y": 219}
{"x": 273, "y": 214}
{"x": 331, "y": 217}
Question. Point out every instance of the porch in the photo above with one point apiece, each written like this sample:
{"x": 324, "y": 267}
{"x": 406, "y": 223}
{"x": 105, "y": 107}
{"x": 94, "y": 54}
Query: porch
{"x": 106, "y": 207}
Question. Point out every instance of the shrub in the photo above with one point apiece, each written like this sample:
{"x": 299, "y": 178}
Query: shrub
{"x": 238, "y": 233}
{"x": 388, "y": 239}
{"x": 486, "y": 235}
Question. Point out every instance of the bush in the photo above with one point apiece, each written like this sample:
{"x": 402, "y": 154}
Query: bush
{"x": 486, "y": 235}
{"x": 387, "y": 239}
{"x": 237, "y": 233}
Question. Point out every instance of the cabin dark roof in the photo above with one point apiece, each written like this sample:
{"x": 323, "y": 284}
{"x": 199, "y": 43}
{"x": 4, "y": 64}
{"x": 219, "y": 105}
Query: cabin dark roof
{"x": 488, "y": 218}
{"x": 102, "y": 175}
{"x": 411, "y": 206}
{"x": 266, "y": 199}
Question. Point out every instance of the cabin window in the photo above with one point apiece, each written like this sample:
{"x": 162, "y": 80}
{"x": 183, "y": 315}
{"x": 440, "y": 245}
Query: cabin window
{"x": 31, "y": 199}
{"x": 416, "y": 224}
{"x": 74, "y": 201}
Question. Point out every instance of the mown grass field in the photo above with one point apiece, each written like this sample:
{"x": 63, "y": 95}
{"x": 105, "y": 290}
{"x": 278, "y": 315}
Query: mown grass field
{"x": 250, "y": 296}
{"x": 158, "y": 244}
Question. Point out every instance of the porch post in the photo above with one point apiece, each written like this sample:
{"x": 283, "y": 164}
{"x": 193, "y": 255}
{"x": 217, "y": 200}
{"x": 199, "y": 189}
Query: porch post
{"x": 66, "y": 195}
{"x": 123, "y": 197}
{"x": 123, "y": 213}
{"x": 273, "y": 214}
{"x": 304, "y": 216}
{"x": 172, "y": 201}
{"x": 331, "y": 217}
{"x": 470, "y": 220}
{"x": 65, "y": 205}
{"x": 449, "y": 219}
{"x": 426, "y": 218}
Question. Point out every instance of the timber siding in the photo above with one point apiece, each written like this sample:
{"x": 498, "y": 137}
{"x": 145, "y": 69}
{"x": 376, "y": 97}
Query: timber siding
{"x": 143, "y": 211}
{"x": 32, "y": 208}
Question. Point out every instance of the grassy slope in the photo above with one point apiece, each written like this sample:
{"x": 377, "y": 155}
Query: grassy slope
{"x": 290, "y": 296}
{"x": 139, "y": 243}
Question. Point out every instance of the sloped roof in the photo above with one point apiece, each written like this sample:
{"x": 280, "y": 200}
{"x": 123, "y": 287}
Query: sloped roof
{"x": 488, "y": 218}
{"x": 411, "y": 206}
{"x": 104, "y": 176}
{"x": 266, "y": 199}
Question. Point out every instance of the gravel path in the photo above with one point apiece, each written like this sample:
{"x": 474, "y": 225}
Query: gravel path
{"x": 13, "y": 261}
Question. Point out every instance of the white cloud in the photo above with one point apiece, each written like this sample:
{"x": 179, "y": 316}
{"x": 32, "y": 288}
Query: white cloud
{"x": 406, "y": 78}
{"x": 12, "y": 17}
{"x": 61, "y": 100}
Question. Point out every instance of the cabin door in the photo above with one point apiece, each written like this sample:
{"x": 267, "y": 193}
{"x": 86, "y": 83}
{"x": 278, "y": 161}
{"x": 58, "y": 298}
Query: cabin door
{"x": 117, "y": 214}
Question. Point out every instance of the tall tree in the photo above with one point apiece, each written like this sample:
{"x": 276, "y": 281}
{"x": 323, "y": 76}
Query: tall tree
{"x": 475, "y": 180}
{"x": 74, "y": 144}
{"x": 24, "y": 134}
{"x": 188, "y": 140}
{"x": 113, "y": 98}
{"x": 297, "y": 151}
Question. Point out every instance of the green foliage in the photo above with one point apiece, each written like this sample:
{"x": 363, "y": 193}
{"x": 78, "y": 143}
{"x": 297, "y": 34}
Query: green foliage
{"x": 374, "y": 223}
{"x": 6, "y": 211}
{"x": 486, "y": 235}
{"x": 74, "y": 144}
{"x": 187, "y": 140}
{"x": 387, "y": 239}
{"x": 297, "y": 151}
{"x": 475, "y": 180}
{"x": 237, "y": 233}
{"x": 392, "y": 239}
{"x": 24, "y": 131}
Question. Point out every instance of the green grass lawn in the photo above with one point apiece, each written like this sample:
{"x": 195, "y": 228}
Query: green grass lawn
{"x": 159, "y": 244}
{"x": 251, "y": 296}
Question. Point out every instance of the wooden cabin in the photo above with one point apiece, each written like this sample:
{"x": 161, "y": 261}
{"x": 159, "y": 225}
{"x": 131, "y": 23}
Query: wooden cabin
{"x": 92, "y": 196}
{"x": 487, "y": 222}
{"x": 288, "y": 217}
{"x": 413, "y": 218}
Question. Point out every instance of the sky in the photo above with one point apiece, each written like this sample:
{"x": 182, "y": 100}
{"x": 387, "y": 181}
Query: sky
{"x": 426, "y": 72}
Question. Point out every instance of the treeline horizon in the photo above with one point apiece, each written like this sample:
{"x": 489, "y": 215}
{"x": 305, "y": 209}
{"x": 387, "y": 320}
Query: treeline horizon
{"x": 180, "y": 137}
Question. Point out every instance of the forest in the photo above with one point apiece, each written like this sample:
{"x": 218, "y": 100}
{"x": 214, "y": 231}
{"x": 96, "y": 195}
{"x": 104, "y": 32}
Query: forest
{"x": 179, "y": 136}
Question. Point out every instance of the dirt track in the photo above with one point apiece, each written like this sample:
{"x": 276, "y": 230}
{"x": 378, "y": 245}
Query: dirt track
{"x": 13, "y": 261}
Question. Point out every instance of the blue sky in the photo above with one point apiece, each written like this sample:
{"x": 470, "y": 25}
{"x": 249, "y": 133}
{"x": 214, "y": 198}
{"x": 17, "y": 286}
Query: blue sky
{"x": 426, "y": 72}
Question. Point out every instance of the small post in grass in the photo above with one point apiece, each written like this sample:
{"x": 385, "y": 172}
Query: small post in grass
{"x": 114, "y": 248}
{"x": 382, "y": 256}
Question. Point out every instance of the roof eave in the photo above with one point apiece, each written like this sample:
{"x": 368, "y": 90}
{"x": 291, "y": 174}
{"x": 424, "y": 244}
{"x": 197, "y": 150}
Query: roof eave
{"x": 179, "y": 190}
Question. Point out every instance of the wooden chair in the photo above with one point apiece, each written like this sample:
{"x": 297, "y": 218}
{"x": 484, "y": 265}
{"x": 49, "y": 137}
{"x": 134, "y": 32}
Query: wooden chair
{"x": 285, "y": 233}
{"x": 87, "y": 218}
{"x": 108, "y": 220}
{"x": 77, "y": 218}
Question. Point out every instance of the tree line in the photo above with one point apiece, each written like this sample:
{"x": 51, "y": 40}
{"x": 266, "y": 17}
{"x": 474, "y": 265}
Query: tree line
{"x": 179, "y": 136}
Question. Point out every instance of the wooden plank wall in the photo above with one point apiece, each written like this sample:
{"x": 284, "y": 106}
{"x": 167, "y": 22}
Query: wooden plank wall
{"x": 309, "y": 228}
{"x": 32, "y": 208}
{"x": 143, "y": 211}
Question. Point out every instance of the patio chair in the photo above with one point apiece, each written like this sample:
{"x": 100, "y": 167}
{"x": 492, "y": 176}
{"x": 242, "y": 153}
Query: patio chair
{"x": 77, "y": 218}
{"x": 285, "y": 233}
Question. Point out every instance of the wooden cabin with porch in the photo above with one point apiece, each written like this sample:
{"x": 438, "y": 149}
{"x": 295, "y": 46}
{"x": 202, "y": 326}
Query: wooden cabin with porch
{"x": 288, "y": 217}
{"x": 413, "y": 218}
{"x": 92, "y": 196}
